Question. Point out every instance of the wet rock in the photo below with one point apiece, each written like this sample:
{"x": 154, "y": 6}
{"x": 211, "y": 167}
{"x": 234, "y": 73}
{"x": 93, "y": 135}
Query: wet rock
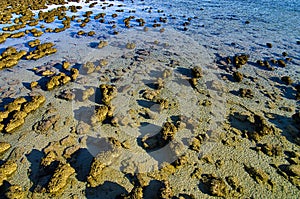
{"x": 244, "y": 92}
{"x": 91, "y": 33}
{"x": 99, "y": 115}
{"x": 89, "y": 67}
{"x": 66, "y": 65}
{"x": 80, "y": 32}
{"x": 197, "y": 72}
{"x": 284, "y": 54}
{"x": 269, "y": 45}
{"x": 240, "y": 60}
{"x": 150, "y": 94}
{"x": 257, "y": 174}
{"x": 165, "y": 192}
{"x": 100, "y": 163}
{"x": 15, "y": 192}
{"x": 10, "y": 57}
{"x": 296, "y": 117}
{"x": 287, "y": 80}
{"x": 281, "y": 63}
{"x": 102, "y": 44}
{"x": 197, "y": 173}
{"x": 60, "y": 177}
{"x": 130, "y": 45}
{"x": 215, "y": 186}
{"x": 57, "y": 80}
{"x": 4, "y": 146}
{"x": 262, "y": 128}
{"x": 135, "y": 193}
{"x": 108, "y": 93}
{"x": 237, "y": 76}
{"x": 293, "y": 170}
{"x": 162, "y": 138}
{"x": 6, "y": 170}
{"x": 271, "y": 150}
{"x": 265, "y": 64}
{"x": 41, "y": 51}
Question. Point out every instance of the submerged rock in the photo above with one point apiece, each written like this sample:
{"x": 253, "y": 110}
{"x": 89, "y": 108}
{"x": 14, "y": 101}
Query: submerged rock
{"x": 87, "y": 93}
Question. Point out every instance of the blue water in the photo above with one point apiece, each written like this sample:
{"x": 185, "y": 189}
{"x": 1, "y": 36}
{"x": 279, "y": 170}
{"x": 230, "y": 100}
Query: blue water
{"x": 271, "y": 18}
{"x": 218, "y": 24}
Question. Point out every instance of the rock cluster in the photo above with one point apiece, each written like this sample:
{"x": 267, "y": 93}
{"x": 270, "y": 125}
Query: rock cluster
{"x": 6, "y": 170}
{"x": 10, "y": 57}
{"x": 159, "y": 140}
{"x": 15, "y": 112}
{"x": 62, "y": 79}
{"x": 105, "y": 110}
{"x": 41, "y": 51}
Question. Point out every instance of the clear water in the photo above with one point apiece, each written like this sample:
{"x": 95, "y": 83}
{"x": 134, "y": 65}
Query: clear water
{"x": 221, "y": 26}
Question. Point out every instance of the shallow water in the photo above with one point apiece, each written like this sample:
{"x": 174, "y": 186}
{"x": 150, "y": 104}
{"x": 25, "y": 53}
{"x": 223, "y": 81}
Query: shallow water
{"x": 213, "y": 31}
